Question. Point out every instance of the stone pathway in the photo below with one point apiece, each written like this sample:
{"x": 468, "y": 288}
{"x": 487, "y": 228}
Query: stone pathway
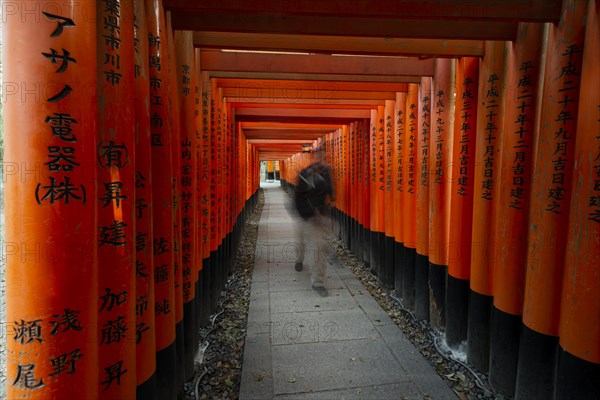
{"x": 300, "y": 345}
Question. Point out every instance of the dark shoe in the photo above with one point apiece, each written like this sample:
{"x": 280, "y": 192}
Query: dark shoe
{"x": 321, "y": 290}
{"x": 298, "y": 266}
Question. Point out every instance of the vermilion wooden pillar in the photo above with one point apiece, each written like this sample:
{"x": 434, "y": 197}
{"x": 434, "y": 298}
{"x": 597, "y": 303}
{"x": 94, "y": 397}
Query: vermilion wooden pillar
{"x": 410, "y": 195}
{"x": 439, "y": 211}
{"x": 398, "y": 167}
{"x": 352, "y": 179}
{"x": 144, "y": 263}
{"x": 373, "y": 145}
{"x": 363, "y": 176}
{"x": 461, "y": 214}
{"x": 184, "y": 69}
{"x": 579, "y": 327}
{"x": 490, "y": 122}
{"x": 524, "y": 62}
{"x": 162, "y": 199}
{"x": 214, "y": 244}
{"x": 358, "y": 199}
{"x": 204, "y": 184}
{"x": 422, "y": 200}
{"x": 364, "y": 195}
{"x": 389, "y": 272}
{"x": 175, "y": 111}
{"x": 50, "y": 198}
{"x": 116, "y": 202}
{"x": 345, "y": 178}
{"x": 549, "y": 211}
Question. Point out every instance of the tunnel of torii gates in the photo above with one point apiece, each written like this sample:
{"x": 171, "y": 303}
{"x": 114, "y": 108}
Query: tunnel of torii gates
{"x": 466, "y": 159}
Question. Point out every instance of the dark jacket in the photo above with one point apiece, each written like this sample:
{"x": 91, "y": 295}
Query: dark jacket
{"x": 312, "y": 187}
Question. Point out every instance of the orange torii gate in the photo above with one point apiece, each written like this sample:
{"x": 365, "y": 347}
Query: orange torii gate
{"x": 129, "y": 175}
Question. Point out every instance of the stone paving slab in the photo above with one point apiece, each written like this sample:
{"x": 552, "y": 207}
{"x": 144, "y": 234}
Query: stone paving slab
{"x": 393, "y": 391}
{"x": 324, "y": 366}
{"x": 300, "y": 345}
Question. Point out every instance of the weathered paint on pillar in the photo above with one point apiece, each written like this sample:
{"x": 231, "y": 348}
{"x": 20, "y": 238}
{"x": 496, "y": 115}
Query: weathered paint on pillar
{"x": 461, "y": 215}
{"x": 162, "y": 200}
{"x": 185, "y": 84}
{"x": 439, "y": 205}
{"x": 205, "y": 167}
{"x": 374, "y": 226}
{"x": 389, "y": 229}
{"x": 410, "y": 194}
{"x": 550, "y": 195}
{"x": 524, "y": 60}
{"x": 144, "y": 263}
{"x": 579, "y": 328}
{"x": 398, "y": 167}
{"x": 490, "y": 122}
{"x": 50, "y": 121}
{"x": 422, "y": 200}
{"x": 116, "y": 202}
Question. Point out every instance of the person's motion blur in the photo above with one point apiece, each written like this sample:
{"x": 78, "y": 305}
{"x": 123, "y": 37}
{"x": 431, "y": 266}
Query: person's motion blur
{"x": 313, "y": 187}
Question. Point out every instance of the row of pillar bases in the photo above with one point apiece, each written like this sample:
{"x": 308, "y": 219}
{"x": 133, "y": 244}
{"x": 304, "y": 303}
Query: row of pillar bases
{"x": 430, "y": 294}
{"x": 494, "y": 233}
{"x": 175, "y": 364}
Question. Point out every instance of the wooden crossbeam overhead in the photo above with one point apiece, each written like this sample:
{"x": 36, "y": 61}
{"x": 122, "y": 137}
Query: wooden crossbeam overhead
{"x": 285, "y": 102}
{"x": 250, "y": 94}
{"x": 355, "y": 105}
{"x": 315, "y": 77}
{"x": 343, "y": 26}
{"x": 276, "y": 141}
{"x": 482, "y": 10}
{"x": 213, "y": 60}
{"x": 326, "y": 86}
{"x": 339, "y": 44}
{"x": 301, "y": 112}
{"x": 300, "y": 126}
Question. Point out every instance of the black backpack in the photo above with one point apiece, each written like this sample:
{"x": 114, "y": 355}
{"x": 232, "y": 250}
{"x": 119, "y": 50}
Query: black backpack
{"x": 311, "y": 191}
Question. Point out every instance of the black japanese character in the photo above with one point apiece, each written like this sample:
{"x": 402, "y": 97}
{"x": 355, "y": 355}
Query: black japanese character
{"x": 113, "y": 331}
{"x": 65, "y": 322}
{"x": 65, "y": 362}
{"x": 113, "y": 374}
{"x": 64, "y": 191}
{"x": 62, "y": 23}
{"x": 28, "y": 331}
{"x": 61, "y": 126}
{"x": 110, "y": 299}
{"x": 113, "y": 234}
{"x": 25, "y": 377}
{"x": 54, "y": 56}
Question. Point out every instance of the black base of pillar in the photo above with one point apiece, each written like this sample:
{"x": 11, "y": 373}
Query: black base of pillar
{"x": 374, "y": 260}
{"x": 189, "y": 339}
{"x": 381, "y": 252}
{"x": 504, "y": 351}
{"x": 366, "y": 238}
{"x": 437, "y": 295}
{"x": 421, "y": 287}
{"x": 478, "y": 335}
{"x": 147, "y": 389}
{"x": 577, "y": 378}
{"x": 408, "y": 280}
{"x": 205, "y": 292}
{"x": 538, "y": 359}
{"x": 389, "y": 266}
{"x": 345, "y": 227}
{"x": 180, "y": 348}
{"x": 198, "y": 307}
{"x": 457, "y": 310}
{"x": 166, "y": 373}
{"x": 213, "y": 281}
{"x": 399, "y": 268}
{"x": 358, "y": 243}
